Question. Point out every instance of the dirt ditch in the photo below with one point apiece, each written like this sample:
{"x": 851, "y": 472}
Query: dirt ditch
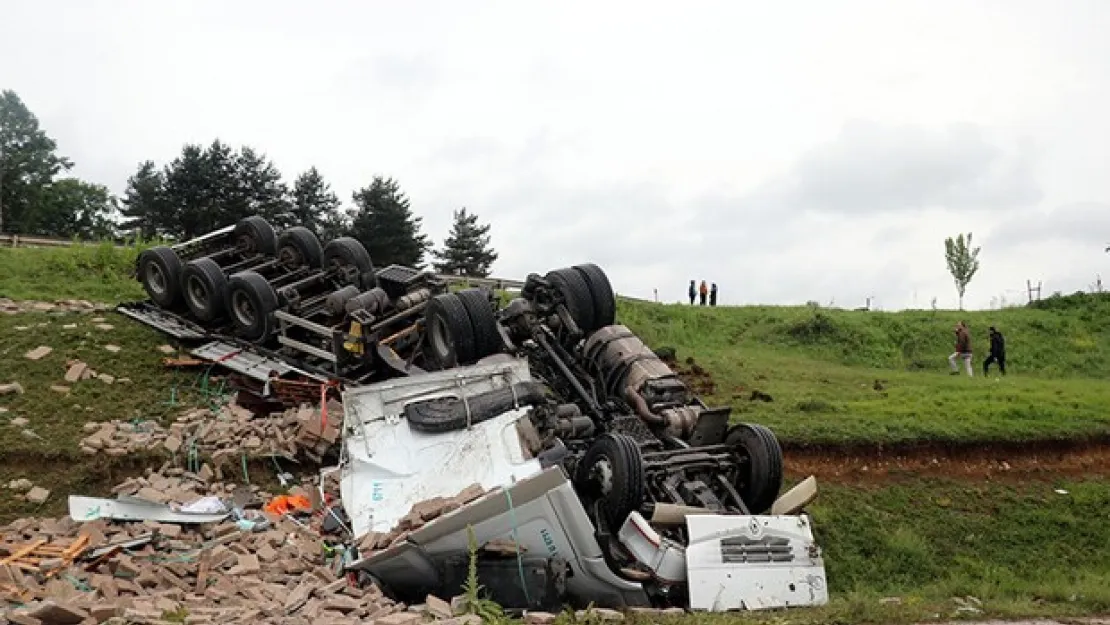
{"x": 1047, "y": 460}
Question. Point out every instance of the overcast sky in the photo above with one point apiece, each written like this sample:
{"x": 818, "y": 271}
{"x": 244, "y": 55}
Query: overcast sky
{"x": 788, "y": 151}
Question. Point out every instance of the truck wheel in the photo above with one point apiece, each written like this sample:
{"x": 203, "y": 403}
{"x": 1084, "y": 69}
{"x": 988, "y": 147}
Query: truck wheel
{"x": 760, "y": 479}
{"x": 251, "y": 302}
{"x": 349, "y": 256}
{"x": 448, "y": 333}
{"x": 205, "y": 287}
{"x": 299, "y": 247}
{"x": 613, "y": 470}
{"x": 255, "y": 235}
{"x": 160, "y": 273}
{"x": 577, "y": 295}
{"x": 487, "y": 340}
{"x": 601, "y": 292}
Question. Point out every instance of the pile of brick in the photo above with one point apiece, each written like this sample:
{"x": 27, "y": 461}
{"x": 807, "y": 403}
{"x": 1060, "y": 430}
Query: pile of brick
{"x": 215, "y": 573}
{"x": 197, "y": 574}
{"x": 224, "y": 437}
{"x": 63, "y": 305}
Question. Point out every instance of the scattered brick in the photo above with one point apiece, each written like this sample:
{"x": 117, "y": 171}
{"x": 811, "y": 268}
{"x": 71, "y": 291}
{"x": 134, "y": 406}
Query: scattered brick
{"x": 39, "y": 352}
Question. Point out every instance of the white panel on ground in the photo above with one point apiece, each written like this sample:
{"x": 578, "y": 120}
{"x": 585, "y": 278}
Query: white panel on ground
{"x": 753, "y": 562}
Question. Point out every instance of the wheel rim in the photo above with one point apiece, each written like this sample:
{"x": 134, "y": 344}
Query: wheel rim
{"x": 290, "y": 258}
{"x": 440, "y": 340}
{"x": 245, "y": 314}
{"x": 602, "y": 474}
{"x": 198, "y": 293}
{"x": 245, "y": 244}
{"x": 155, "y": 279}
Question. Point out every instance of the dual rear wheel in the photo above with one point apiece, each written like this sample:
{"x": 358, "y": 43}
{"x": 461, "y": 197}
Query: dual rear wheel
{"x": 460, "y": 328}
{"x": 611, "y": 473}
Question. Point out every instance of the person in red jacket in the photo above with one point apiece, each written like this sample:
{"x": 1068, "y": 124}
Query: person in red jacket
{"x": 963, "y": 350}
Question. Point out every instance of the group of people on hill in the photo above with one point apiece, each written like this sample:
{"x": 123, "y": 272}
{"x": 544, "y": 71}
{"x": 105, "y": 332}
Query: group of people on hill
{"x": 702, "y": 291}
{"x": 963, "y": 350}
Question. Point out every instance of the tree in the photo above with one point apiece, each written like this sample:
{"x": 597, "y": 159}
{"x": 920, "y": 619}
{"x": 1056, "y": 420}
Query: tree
{"x": 315, "y": 206}
{"x": 261, "y": 190}
{"x": 75, "y": 208}
{"x": 207, "y": 188}
{"x": 384, "y": 223}
{"x": 467, "y": 249}
{"x": 28, "y": 163}
{"x": 187, "y": 193}
{"x": 144, "y": 203}
{"x": 963, "y": 262}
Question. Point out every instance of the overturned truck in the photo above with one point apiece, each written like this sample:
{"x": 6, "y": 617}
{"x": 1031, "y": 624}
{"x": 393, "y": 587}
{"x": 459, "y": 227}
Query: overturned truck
{"x": 614, "y": 483}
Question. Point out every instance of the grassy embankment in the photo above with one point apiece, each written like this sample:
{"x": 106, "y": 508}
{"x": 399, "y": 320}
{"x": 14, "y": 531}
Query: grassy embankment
{"x": 1022, "y": 550}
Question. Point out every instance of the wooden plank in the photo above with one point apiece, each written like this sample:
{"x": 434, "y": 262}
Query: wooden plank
{"x": 25, "y": 550}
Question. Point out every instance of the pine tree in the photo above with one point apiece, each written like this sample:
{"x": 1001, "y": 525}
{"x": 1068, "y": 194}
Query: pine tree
{"x": 144, "y": 203}
{"x": 315, "y": 206}
{"x": 187, "y": 193}
{"x": 384, "y": 223}
{"x": 262, "y": 189}
{"x": 466, "y": 250}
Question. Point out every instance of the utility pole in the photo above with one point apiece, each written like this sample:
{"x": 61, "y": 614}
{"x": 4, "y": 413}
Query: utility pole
{"x": 1029, "y": 286}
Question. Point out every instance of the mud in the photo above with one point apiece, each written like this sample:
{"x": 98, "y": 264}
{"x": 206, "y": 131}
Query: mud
{"x": 1019, "y": 461}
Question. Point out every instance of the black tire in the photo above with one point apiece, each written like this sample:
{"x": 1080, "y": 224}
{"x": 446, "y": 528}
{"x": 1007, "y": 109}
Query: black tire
{"x": 204, "y": 286}
{"x": 625, "y": 491}
{"x": 446, "y": 414}
{"x": 448, "y": 333}
{"x": 601, "y": 292}
{"x": 347, "y": 254}
{"x": 255, "y": 235}
{"x": 487, "y": 340}
{"x": 160, "y": 274}
{"x": 577, "y": 295}
{"x": 760, "y": 482}
{"x": 299, "y": 247}
{"x": 251, "y": 302}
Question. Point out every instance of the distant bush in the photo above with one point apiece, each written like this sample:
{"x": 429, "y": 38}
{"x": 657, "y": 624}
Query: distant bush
{"x": 1075, "y": 301}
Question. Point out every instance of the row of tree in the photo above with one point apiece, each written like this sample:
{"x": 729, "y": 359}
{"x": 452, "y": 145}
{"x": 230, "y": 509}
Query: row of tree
{"x": 205, "y": 188}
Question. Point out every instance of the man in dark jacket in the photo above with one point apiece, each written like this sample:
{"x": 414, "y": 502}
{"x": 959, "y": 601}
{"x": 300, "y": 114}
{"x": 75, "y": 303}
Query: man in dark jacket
{"x": 713, "y": 294}
{"x": 693, "y": 292}
{"x": 998, "y": 352}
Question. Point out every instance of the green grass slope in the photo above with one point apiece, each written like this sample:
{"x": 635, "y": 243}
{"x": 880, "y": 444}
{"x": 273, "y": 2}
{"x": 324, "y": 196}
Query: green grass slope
{"x": 851, "y": 376}
{"x": 95, "y": 272}
{"x": 833, "y": 376}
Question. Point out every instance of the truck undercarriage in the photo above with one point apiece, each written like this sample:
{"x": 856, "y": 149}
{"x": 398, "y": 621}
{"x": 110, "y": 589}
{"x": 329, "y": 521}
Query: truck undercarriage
{"x": 641, "y": 493}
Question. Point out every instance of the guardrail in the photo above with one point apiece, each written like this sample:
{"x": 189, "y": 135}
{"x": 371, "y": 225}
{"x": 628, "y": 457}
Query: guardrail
{"x": 19, "y": 240}
{"x": 500, "y": 284}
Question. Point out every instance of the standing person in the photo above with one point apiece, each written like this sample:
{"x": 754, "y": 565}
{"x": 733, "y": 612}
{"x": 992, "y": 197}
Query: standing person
{"x": 713, "y": 295}
{"x": 963, "y": 350}
{"x": 998, "y": 352}
{"x": 703, "y": 290}
{"x": 693, "y": 292}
